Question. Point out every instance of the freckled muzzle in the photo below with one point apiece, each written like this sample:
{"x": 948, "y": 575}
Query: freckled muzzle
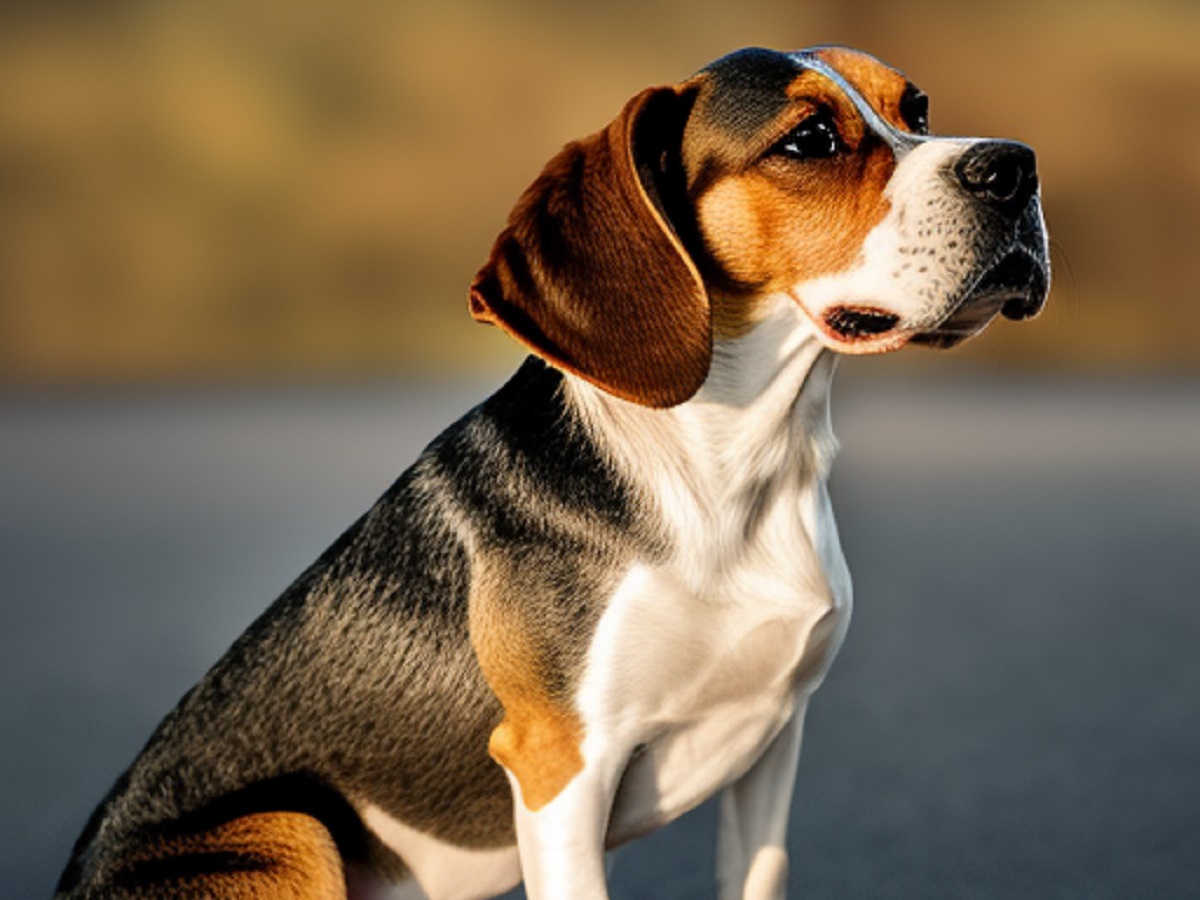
{"x": 1014, "y": 287}
{"x": 962, "y": 242}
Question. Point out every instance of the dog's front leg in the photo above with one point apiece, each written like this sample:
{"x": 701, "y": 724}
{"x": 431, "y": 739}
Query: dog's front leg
{"x": 562, "y": 842}
{"x": 752, "y": 860}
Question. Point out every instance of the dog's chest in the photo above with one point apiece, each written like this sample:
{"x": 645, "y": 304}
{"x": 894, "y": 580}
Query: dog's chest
{"x": 699, "y": 663}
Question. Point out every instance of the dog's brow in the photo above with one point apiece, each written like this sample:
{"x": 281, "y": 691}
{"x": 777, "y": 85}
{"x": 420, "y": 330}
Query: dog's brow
{"x": 901, "y": 142}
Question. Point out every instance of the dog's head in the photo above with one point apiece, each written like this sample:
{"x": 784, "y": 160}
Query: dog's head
{"x": 810, "y": 175}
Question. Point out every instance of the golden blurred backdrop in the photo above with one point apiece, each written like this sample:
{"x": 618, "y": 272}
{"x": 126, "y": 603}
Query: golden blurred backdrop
{"x": 215, "y": 189}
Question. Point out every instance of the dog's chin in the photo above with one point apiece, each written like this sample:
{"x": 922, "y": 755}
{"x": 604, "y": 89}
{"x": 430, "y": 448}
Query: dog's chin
{"x": 1015, "y": 287}
{"x": 972, "y": 316}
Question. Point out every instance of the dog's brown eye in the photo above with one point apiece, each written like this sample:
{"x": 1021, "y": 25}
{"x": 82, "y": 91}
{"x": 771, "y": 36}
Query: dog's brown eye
{"x": 914, "y": 110}
{"x": 814, "y": 138}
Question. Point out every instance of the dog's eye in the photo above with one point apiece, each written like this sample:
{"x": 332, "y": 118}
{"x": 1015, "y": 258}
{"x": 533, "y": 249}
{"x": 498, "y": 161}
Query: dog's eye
{"x": 914, "y": 110}
{"x": 814, "y": 138}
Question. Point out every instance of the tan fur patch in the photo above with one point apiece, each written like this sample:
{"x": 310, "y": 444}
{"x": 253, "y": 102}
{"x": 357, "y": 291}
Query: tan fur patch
{"x": 880, "y": 85}
{"x": 263, "y": 855}
{"x": 539, "y": 744}
{"x": 774, "y": 225}
{"x": 540, "y": 736}
{"x": 770, "y": 222}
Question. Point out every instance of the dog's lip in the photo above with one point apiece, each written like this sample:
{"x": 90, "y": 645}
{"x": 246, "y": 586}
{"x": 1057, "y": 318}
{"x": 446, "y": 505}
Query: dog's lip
{"x": 970, "y": 318}
{"x": 1024, "y": 276}
{"x": 1014, "y": 286}
{"x": 853, "y": 322}
{"x": 856, "y": 328}
{"x": 860, "y": 328}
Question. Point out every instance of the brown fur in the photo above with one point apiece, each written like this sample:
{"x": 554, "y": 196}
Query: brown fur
{"x": 590, "y": 276}
{"x": 769, "y": 222}
{"x": 277, "y": 856}
{"x": 539, "y": 739}
{"x": 538, "y": 742}
{"x": 880, "y": 85}
{"x": 557, "y": 285}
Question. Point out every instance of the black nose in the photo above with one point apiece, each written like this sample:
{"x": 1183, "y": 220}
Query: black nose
{"x": 1001, "y": 173}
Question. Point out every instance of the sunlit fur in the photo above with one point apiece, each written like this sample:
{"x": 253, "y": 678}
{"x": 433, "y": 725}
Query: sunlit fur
{"x": 881, "y": 226}
{"x": 918, "y": 262}
{"x": 608, "y": 592}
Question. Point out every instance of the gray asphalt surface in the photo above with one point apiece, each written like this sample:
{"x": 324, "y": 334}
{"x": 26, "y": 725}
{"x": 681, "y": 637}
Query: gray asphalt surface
{"x": 1016, "y": 712}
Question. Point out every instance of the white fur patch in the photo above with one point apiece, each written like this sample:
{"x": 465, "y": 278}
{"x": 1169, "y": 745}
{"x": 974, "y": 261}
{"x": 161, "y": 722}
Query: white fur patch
{"x": 442, "y": 871}
{"x": 916, "y": 261}
{"x": 699, "y": 660}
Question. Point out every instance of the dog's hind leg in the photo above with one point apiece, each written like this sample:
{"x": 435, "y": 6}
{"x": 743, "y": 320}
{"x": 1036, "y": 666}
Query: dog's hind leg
{"x": 265, "y": 856}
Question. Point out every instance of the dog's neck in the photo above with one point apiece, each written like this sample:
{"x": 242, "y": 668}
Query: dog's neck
{"x": 758, "y": 428}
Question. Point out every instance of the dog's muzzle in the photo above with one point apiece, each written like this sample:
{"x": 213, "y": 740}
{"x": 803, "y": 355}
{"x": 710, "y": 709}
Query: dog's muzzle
{"x": 1015, "y": 276}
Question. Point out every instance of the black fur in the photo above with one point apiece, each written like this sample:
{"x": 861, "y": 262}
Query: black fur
{"x": 360, "y": 684}
{"x": 748, "y": 90}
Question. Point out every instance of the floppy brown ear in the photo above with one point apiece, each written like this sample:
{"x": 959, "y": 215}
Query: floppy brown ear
{"x": 589, "y": 272}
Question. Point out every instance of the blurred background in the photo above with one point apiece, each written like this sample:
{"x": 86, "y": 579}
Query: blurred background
{"x": 235, "y": 242}
{"x": 271, "y": 189}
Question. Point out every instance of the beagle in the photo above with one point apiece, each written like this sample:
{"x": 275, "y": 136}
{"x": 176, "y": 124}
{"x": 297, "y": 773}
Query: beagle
{"x": 606, "y": 593}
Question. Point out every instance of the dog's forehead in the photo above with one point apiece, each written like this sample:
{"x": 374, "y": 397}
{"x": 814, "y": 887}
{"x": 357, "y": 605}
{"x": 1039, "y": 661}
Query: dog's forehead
{"x": 863, "y": 75}
{"x": 749, "y": 89}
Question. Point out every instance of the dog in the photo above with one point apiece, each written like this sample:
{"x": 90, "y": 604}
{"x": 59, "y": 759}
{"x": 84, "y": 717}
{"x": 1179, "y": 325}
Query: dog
{"x": 606, "y": 593}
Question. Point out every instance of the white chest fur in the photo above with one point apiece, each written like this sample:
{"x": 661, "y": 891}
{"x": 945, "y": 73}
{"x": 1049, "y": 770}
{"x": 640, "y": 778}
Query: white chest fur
{"x": 702, "y": 682}
{"x": 699, "y": 660}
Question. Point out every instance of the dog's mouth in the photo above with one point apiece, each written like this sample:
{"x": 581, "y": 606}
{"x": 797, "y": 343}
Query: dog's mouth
{"x": 1014, "y": 283}
{"x": 862, "y": 328}
{"x": 856, "y": 323}
{"x": 1015, "y": 287}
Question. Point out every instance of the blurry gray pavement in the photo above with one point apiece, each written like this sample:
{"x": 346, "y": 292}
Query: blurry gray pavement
{"x": 1016, "y": 712}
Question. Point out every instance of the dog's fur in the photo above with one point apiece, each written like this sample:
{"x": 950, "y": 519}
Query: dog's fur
{"x": 606, "y": 593}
